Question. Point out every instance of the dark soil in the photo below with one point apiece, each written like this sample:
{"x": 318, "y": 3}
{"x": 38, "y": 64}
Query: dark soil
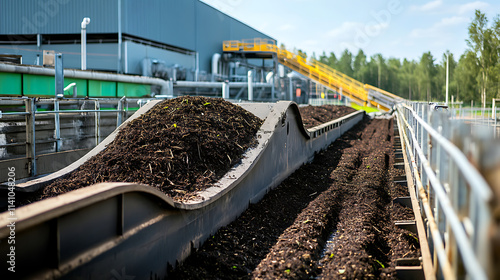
{"x": 180, "y": 146}
{"x": 315, "y": 115}
{"x": 343, "y": 199}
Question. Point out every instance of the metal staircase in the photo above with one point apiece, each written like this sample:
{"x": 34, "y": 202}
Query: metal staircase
{"x": 361, "y": 94}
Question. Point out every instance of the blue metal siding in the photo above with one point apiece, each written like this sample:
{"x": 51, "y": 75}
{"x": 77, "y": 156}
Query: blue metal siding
{"x": 188, "y": 24}
{"x": 99, "y": 56}
{"x": 57, "y": 16}
{"x": 137, "y": 52}
{"x": 170, "y": 22}
{"x": 213, "y": 27}
{"x": 240, "y": 31}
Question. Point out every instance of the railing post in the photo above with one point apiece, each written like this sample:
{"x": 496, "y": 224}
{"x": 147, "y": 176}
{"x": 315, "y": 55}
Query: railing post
{"x": 97, "y": 116}
{"x": 121, "y": 111}
{"x": 57, "y": 126}
{"x": 30, "y": 136}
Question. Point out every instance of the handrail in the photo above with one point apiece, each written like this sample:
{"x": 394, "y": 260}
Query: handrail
{"x": 30, "y": 111}
{"x": 454, "y": 196}
{"x": 314, "y": 70}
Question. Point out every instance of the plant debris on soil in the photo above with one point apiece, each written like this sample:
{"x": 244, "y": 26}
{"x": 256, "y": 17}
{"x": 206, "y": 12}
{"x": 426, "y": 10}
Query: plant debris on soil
{"x": 180, "y": 146}
{"x": 315, "y": 115}
{"x": 331, "y": 219}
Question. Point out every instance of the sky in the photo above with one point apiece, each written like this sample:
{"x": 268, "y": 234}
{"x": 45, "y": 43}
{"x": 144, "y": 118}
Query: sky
{"x": 394, "y": 28}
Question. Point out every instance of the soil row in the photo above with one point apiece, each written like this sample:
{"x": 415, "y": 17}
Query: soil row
{"x": 355, "y": 213}
{"x": 315, "y": 115}
{"x": 342, "y": 201}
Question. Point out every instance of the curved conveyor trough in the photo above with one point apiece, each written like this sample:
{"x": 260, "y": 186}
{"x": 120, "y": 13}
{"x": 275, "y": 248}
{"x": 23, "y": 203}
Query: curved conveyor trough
{"x": 125, "y": 229}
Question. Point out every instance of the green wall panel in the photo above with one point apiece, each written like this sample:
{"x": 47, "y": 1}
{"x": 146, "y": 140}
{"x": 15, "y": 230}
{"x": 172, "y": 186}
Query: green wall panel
{"x": 10, "y": 84}
{"x": 133, "y": 90}
{"x": 102, "y": 88}
{"x": 43, "y": 86}
{"x": 35, "y": 85}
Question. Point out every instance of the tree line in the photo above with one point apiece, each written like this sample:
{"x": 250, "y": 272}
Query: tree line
{"x": 474, "y": 77}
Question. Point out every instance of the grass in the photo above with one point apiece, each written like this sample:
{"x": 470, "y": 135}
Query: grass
{"x": 364, "y": 108}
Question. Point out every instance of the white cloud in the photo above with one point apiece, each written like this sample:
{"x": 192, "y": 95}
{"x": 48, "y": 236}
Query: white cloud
{"x": 460, "y": 9}
{"x": 452, "y": 21}
{"x": 310, "y": 43}
{"x": 439, "y": 29}
{"x": 286, "y": 27}
{"x": 345, "y": 30}
{"x": 471, "y": 7}
{"x": 428, "y": 7}
{"x": 355, "y": 35}
{"x": 350, "y": 29}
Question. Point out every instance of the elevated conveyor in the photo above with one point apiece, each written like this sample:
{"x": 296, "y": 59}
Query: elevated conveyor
{"x": 361, "y": 94}
{"x": 128, "y": 229}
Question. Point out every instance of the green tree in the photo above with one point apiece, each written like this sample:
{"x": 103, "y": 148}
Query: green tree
{"x": 465, "y": 77}
{"x": 426, "y": 71}
{"x": 408, "y": 79}
{"x": 323, "y": 58}
{"x": 332, "y": 60}
{"x": 440, "y": 78}
{"x": 344, "y": 64}
{"x": 393, "y": 76}
{"x": 483, "y": 43}
{"x": 359, "y": 65}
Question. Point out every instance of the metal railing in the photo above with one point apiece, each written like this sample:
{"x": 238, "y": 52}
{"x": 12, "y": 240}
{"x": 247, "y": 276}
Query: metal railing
{"x": 454, "y": 197}
{"x": 30, "y": 111}
{"x": 479, "y": 116}
{"x": 317, "y": 71}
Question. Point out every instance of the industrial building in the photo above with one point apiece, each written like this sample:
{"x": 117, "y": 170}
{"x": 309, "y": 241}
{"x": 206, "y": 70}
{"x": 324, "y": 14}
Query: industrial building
{"x": 151, "y": 38}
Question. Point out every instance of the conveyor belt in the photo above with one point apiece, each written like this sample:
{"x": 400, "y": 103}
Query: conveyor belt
{"x": 124, "y": 229}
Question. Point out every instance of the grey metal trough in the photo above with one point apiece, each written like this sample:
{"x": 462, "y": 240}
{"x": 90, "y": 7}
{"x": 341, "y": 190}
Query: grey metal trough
{"x": 114, "y": 230}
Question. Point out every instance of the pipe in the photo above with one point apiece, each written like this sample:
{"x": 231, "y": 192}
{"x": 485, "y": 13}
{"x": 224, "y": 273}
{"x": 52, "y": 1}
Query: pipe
{"x": 257, "y": 85}
{"x": 269, "y": 77}
{"x": 250, "y": 85}
{"x": 84, "y": 24}
{"x": 218, "y": 84}
{"x": 225, "y": 90}
{"x": 215, "y": 65}
{"x": 72, "y": 85}
{"x": 119, "y": 60}
{"x": 90, "y": 75}
{"x": 198, "y": 84}
{"x": 197, "y": 67}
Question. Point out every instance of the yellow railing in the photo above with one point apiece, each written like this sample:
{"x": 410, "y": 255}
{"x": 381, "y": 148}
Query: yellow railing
{"x": 314, "y": 70}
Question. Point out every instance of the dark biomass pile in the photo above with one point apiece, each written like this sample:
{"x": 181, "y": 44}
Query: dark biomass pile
{"x": 346, "y": 192}
{"x": 180, "y": 146}
{"x": 315, "y": 115}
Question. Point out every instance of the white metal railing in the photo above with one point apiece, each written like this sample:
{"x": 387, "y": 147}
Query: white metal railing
{"x": 454, "y": 198}
{"x": 488, "y": 117}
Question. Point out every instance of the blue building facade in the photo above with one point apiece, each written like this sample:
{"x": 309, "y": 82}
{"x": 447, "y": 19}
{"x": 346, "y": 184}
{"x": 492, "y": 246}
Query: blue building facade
{"x": 126, "y": 36}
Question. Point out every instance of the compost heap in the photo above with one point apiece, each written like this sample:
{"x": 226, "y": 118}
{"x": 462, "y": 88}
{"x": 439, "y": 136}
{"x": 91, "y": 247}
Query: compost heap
{"x": 180, "y": 146}
{"x": 316, "y": 115}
